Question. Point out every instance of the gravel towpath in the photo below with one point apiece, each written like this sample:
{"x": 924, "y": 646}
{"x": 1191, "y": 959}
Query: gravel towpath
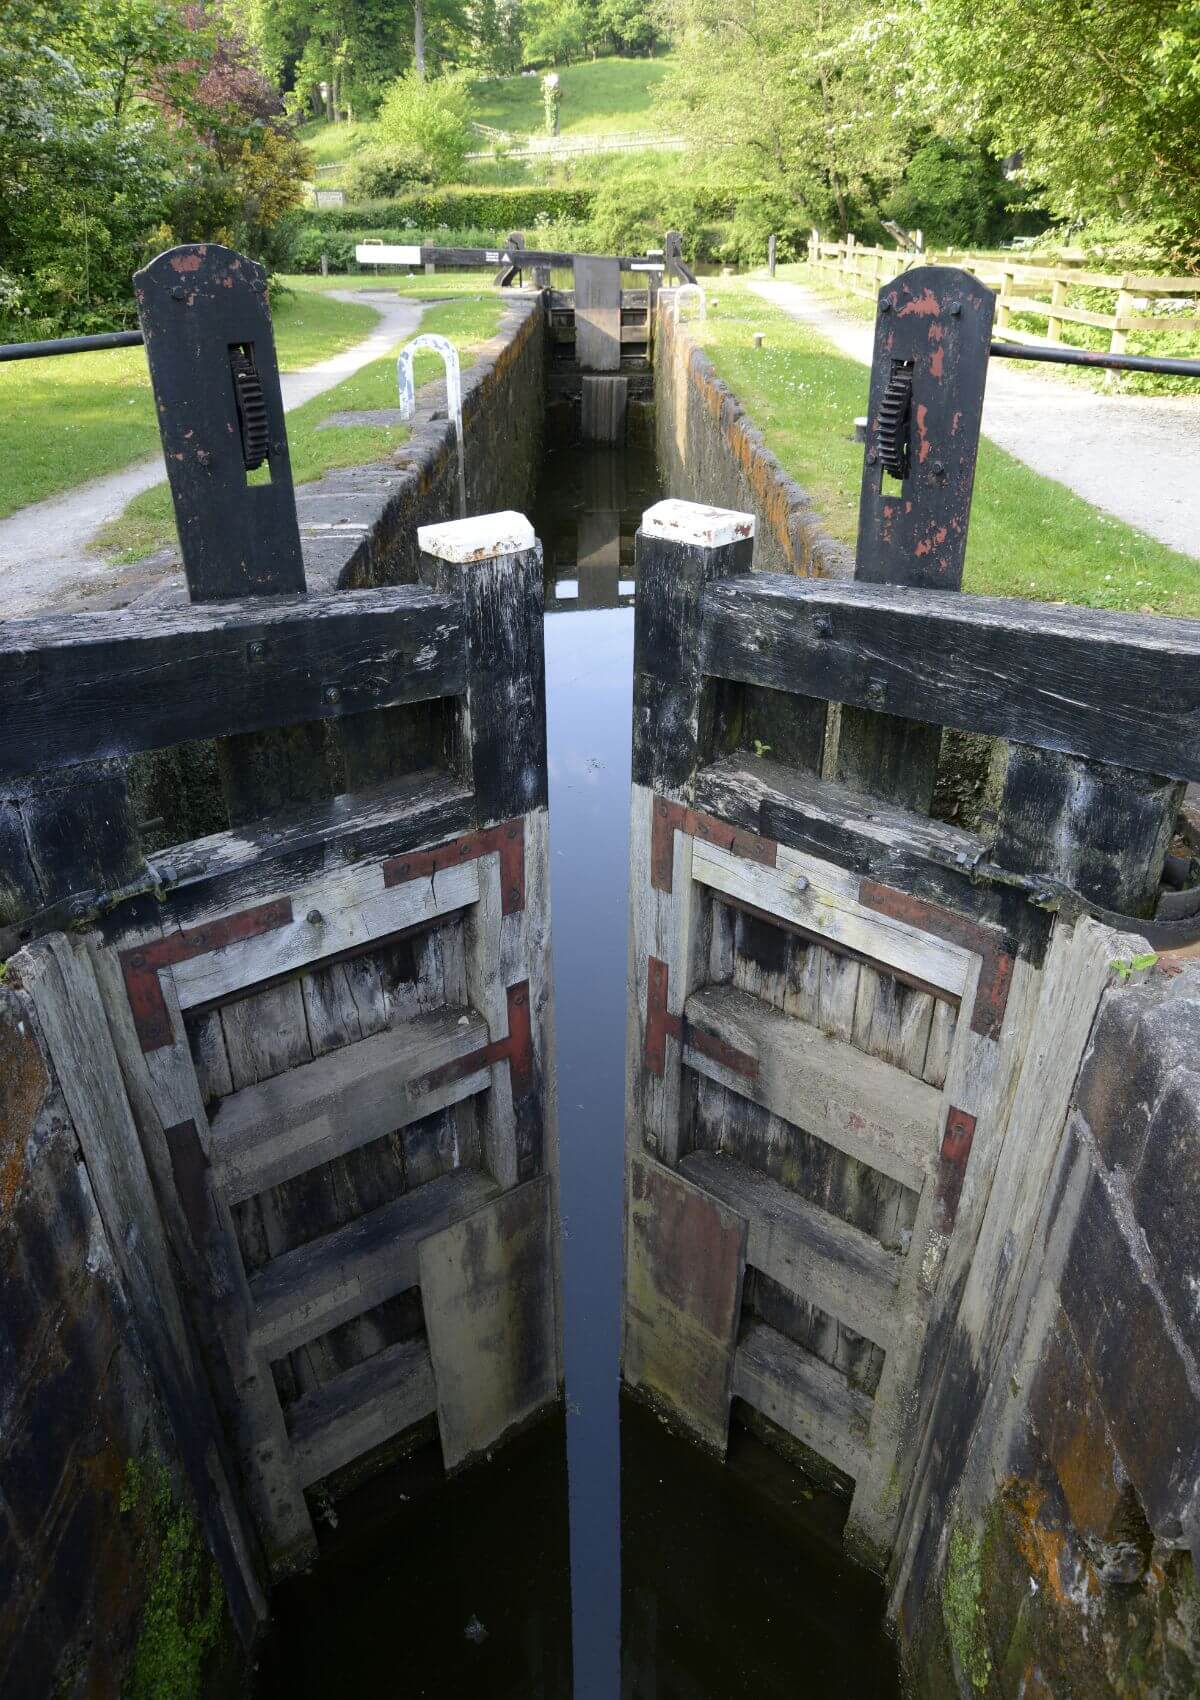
{"x": 45, "y": 556}
{"x": 1137, "y": 457}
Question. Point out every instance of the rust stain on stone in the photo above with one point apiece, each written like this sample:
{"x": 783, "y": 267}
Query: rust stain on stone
{"x": 26, "y": 1083}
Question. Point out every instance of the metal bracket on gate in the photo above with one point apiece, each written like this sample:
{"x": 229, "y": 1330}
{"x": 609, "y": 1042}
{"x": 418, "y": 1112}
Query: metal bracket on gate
{"x": 408, "y": 396}
{"x": 211, "y": 352}
{"x": 932, "y": 334}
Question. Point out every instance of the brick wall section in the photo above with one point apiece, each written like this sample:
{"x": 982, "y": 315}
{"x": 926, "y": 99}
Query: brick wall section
{"x": 378, "y": 508}
{"x": 1080, "y": 1494}
{"x": 76, "y": 1406}
{"x": 710, "y": 451}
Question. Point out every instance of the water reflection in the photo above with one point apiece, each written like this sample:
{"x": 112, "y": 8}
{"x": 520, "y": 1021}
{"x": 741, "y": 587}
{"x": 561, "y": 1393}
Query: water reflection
{"x": 589, "y": 508}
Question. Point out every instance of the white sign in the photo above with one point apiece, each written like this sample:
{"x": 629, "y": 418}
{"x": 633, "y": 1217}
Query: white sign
{"x": 386, "y": 254}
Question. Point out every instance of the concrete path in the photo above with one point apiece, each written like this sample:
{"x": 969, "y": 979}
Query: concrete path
{"x": 1137, "y": 457}
{"x": 45, "y": 548}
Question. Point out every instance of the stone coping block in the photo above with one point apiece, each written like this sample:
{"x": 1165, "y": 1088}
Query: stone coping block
{"x": 696, "y": 523}
{"x": 477, "y": 538}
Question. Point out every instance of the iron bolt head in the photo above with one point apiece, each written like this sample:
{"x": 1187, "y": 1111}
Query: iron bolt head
{"x": 885, "y": 306}
{"x": 314, "y": 917}
{"x": 178, "y": 293}
{"x": 256, "y": 650}
{"x": 956, "y": 309}
{"x": 258, "y": 285}
{"x": 939, "y": 471}
{"x": 332, "y": 694}
{"x": 823, "y": 625}
{"x": 872, "y": 456}
{"x": 876, "y": 691}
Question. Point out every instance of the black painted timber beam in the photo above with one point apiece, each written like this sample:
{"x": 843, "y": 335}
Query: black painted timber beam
{"x": 1116, "y": 688}
{"x": 75, "y": 690}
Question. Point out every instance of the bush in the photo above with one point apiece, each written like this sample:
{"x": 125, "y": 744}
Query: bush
{"x": 428, "y": 118}
{"x": 378, "y": 174}
{"x": 495, "y": 210}
{"x": 957, "y": 194}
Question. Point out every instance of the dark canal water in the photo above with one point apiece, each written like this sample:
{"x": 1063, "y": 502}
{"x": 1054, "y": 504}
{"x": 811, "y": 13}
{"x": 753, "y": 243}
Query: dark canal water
{"x": 597, "y": 1557}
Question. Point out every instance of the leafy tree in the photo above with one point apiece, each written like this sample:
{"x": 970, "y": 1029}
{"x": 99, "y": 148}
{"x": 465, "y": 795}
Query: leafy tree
{"x": 956, "y": 192}
{"x": 787, "y": 94}
{"x": 1101, "y": 96}
{"x": 556, "y": 31}
{"x": 429, "y": 119}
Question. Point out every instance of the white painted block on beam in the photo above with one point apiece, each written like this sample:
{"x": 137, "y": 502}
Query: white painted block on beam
{"x": 477, "y": 538}
{"x": 696, "y": 523}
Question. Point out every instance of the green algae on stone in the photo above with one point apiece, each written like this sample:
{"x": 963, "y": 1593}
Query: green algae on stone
{"x": 962, "y": 1613}
{"x": 184, "y": 1610}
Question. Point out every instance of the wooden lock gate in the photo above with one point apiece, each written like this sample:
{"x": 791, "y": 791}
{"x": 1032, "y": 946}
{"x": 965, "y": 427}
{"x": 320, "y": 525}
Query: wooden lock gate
{"x": 853, "y": 1028}
{"x": 309, "y": 1055}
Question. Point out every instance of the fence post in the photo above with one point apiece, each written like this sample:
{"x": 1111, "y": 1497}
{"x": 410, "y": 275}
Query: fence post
{"x": 1004, "y": 300}
{"x": 771, "y": 254}
{"x": 1118, "y": 342}
{"x": 1058, "y": 298}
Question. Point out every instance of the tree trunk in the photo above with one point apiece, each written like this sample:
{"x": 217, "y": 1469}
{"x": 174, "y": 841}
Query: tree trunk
{"x": 419, "y": 37}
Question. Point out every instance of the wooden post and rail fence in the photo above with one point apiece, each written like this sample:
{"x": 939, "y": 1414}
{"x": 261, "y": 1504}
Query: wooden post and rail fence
{"x": 1041, "y": 291}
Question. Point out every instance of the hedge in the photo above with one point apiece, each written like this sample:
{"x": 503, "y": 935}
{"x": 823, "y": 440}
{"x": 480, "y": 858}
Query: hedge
{"x": 498, "y": 210}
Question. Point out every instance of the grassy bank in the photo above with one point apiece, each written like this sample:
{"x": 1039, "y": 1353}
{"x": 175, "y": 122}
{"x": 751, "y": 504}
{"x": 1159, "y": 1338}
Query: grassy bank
{"x": 78, "y": 416}
{"x": 147, "y": 523}
{"x": 598, "y": 97}
{"x": 1029, "y": 537}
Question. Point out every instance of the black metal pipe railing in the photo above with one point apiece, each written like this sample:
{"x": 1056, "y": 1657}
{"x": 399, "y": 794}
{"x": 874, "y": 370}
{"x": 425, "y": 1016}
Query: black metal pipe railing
{"x": 1059, "y": 356}
{"x": 70, "y": 345}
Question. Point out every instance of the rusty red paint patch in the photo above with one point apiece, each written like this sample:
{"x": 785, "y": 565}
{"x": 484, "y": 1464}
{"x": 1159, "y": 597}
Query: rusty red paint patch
{"x": 988, "y": 943}
{"x": 925, "y": 305}
{"x": 658, "y": 1022}
{"x": 670, "y": 818}
{"x": 507, "y": 840}
{"x": 952, "y": 1164}
{"x": 720, "y": 1051}
{"x": 516, "y": 1051}
{"x": 140, "y": 964}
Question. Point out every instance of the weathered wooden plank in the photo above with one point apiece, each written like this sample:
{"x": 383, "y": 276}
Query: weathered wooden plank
{"x": 498, "y": 592}
{"x": 266, "y": 1034}
{"x": 814, "y": 1254}
{"x": 341, "y": 913}
{"x": 685, "y": 1261}
{"x": 871, "y": 838}
{"x": 597, "y": 313}
{"x": 823, "y": 900}
{"x": 487, "y": 1287}
{"x": 361, "y": 1408}
{"x": 864, "y": 1107}
{"x": 61, "y": 980}
{"x": 266, "y": 1134}
{"x": 1100, "y": 830}
{"x": 808, "y": 1398}
{"x": 984, "y": 664}
{"x": 76, "y": 690}
{"x": 306, "y": 1292}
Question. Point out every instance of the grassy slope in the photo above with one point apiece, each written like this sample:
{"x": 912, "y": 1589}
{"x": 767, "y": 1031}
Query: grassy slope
{"x": 330, "y": 144}
{"x": 75, "y": 417}
{"x": 147, "y": 522}
{"x": 1029, "y": 537}
{"x": 598, "y": 96}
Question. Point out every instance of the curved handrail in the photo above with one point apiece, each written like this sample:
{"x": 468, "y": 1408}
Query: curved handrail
{"x": 696, "y": 289}
{"x": 408, "y": 396}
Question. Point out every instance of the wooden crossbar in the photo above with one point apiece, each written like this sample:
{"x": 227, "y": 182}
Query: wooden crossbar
{"x": 1115, "y": 688}
{"x": 75, "y": 689}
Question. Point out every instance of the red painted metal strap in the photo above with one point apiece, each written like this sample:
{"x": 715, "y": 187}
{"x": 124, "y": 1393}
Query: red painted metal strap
{"x": 507, "y": 839}
{"x": 952, "y": 1164}
{"x": 141, "y": 963}
{"x": 516, "y": 1051}
{"x": 670, "y": 818}
{"x": 661, "y": 1025}
{"x": 988, "y": 943}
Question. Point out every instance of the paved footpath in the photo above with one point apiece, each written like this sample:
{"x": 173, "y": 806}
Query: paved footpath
{"x": 45, "y": 556}
{"x": 1137, "y": 457}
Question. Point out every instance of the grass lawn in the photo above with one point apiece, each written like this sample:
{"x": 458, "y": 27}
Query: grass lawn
{"x": 1029, "y": 537}
{"x": 421, "y": 286}
{"x": 330, "y": 144}
{"x": 74, "y": 417}
{"x": 148, "y": 523}
{"x": 598, "y": 96}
